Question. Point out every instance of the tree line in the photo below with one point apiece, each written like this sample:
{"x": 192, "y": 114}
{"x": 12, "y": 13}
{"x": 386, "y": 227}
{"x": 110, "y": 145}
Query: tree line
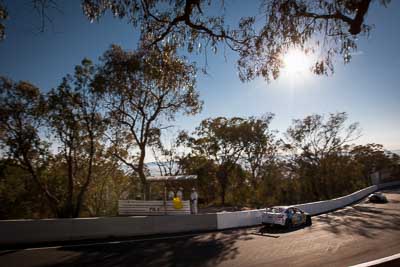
{"x": 76, "y": 149}
{"x": 86, "y": 140}
{"x": 243, "y": 162}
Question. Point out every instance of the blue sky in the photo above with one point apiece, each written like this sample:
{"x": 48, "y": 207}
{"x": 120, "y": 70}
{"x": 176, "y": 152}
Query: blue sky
{"x": 367, "y": 88}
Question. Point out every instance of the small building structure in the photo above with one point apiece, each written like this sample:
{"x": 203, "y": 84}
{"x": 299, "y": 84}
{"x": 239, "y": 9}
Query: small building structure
{"x": 172, "y": 203}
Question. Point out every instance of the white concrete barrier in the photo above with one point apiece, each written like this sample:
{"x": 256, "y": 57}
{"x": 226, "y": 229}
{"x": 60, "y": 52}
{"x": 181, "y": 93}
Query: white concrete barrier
{"x": 328, "y": 205}
{"x": 48, "y": 230}
{"x": 227, "y": 220}
{"x": 333, "y": 204}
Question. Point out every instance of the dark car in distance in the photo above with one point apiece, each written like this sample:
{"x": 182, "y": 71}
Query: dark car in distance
{"x": 377, "y": 197}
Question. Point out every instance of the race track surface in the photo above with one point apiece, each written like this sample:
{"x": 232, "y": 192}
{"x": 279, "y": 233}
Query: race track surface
{"x": 355, "y": 234}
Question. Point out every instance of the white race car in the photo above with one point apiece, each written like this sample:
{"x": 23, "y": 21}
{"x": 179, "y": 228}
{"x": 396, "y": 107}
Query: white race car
{"x": 286, "y": 216}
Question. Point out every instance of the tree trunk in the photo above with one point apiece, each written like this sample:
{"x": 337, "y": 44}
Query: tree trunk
{"x": 223, "y": 191}
{"x": 142, "y": 175}
{"x": 92, "y": 151}
{"x": 69, "y": 207}
{"x": 222, "y": 176}
{"x": 145, "y": 187}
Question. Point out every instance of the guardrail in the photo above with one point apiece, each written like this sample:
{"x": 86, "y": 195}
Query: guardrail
{"x": 48, "y": 230}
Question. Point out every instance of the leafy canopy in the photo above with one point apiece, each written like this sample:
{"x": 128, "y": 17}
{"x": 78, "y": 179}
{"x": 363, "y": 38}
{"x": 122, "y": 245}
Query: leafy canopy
{"x": 327, "y": 27}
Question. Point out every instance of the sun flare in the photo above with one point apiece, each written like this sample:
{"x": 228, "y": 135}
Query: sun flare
{"x": 296, "y": 63}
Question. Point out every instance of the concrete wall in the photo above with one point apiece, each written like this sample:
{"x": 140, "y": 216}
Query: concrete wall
{"x": 333, "y": 204}
{"x": 375, "y": 177}
{"x": 227, "y": 220}
{"x": 33, "y": 231}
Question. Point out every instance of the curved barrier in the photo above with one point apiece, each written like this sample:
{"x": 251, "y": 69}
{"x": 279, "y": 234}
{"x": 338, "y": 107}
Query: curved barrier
{"x": 227, "y": 220}
{"x": 319, "y": 207}
{"x": 48, "y": 230}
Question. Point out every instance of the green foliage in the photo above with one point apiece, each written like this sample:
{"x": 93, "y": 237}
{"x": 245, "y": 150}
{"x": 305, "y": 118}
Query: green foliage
{"x": 16, "y": 191}
{"x": 110, "y": 184}
{"x": 318, "y": 154}
{"x": 328, "y": 27}
{"x": 219, "y": 139}
{"x": 76, "y": 121}
{"x": 316, "y": 161}
{"x": 231, "y": 143}
{"x": 206, "y": 170}
{"x": 142, "y": 91}
{"x": 72, "y": 118}
{"x": 21, "y": 118}
{"x": 103, "y": 119}
{"x": 251, "y": 167}
{"x": 372, "y": 157}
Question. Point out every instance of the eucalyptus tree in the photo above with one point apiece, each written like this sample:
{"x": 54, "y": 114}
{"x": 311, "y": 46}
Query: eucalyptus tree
{"x": 315, "y": 137}
{"x": 77, "y": 125}
{"x": 220, "y": 140}
{"x": 206, "y": 170}
{"x": 143, "y": 91}
{"x": 330, "y": 28}
{"x": 318, "y": 152}
{"x": 260, "y": 147}
{"x": 21, "y": 121}
{"x": 167, "y": 156}
{"x": 110, "y": 183}
{"x": 372, "y": 158}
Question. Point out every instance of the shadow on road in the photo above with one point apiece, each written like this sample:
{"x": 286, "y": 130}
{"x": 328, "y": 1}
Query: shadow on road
{"x": 278, "y": 229}
{"x": 199, "y": 251}
{"x": 361, "y": 220}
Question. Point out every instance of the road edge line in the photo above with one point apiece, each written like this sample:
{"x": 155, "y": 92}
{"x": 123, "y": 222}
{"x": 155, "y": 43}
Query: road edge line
{"x": 378, "y": 261}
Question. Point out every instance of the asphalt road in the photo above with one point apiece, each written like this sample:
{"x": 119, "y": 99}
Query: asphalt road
{"x": 355, "y": 234}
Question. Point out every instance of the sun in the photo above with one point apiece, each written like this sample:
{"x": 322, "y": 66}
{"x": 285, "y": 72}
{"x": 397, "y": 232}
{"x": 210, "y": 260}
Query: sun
{"x": 296, "y": 63}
